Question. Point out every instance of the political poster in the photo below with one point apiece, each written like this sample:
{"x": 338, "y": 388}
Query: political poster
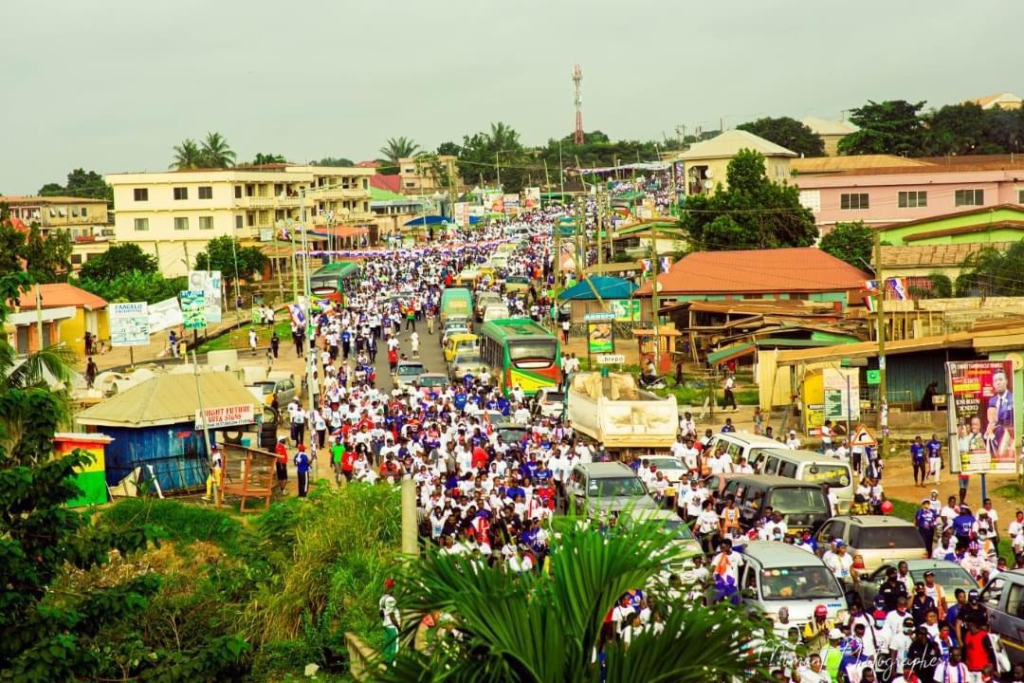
{"x": 208, "y": 282}
{"x": 531, "y": 198}
{"x": 981, "y": 412}
{"x": 165, "y": 315}
{"x": 193, "y": 309}
{"x": 599, "y": 337}
{"x": 129, "y": 324}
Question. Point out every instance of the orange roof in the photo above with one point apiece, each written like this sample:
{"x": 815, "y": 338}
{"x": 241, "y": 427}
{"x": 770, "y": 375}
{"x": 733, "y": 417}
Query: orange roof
{"x": 62, "y": 294}
{"x": 756, "y": 271}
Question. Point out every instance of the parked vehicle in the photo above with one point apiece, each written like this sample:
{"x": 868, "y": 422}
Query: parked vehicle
{"x": 483, "y": 300}
{"x": 278, "y": 384}
{"x": 460, "y": 343}
{"x": 606, "y": 487}
{"x": 949, "y": 575}
{"x": 517, "y": 283}
{"x": 466, "y": 363}
{"x": 802, "y": 506}
{"x": 669, "y": 465}
{"x": 774, "y": 576}
{"x": 876, "y": 538}
{"x": 740, "y": 446}
{"x": 495, "y": 312}
{"x": 668, "y": 521}
{"x": 1003, "y": 597}
{"x": 810, "y": 467}
{"x": 456, "y": 301}
{"x": 549, "y": 402}
{"x": 407, "y": 373}
{"x": 614, "y": 411}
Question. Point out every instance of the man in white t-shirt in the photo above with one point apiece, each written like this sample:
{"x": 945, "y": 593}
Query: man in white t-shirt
{"x": 793, "y": 441}
{"x": 839, "y": 562}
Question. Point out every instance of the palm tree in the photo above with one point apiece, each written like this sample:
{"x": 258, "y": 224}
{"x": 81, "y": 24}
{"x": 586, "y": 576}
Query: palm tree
{"x": 262, "y": 159}
{"x": 216, "y": 151}
{"x": 398, "y": 148}
{"x": 504, "y": 137}
{"x": 187, "y": 155}
{"x": 533, "y": 628}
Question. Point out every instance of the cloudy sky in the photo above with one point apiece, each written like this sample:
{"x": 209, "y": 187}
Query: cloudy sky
{"x": 112, "y": 85}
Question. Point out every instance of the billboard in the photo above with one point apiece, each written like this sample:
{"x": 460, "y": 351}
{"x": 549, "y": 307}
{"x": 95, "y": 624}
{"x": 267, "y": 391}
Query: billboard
{"x": 129, "y": 324}
{"x": 163, "y": 315}
{"x": 230, "y": 416}
{"x": 981, "y": 413}
{"x": 599, "y": 337}
{"x": 208, "y": 282}
{"x": 193, "y": 309}
{"x": 626, "y": 310}
{"x": 531, "y": 198}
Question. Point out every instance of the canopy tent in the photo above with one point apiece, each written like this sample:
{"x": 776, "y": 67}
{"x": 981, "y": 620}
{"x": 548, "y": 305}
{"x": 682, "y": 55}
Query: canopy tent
{"x": 640, "y": 166}
{"x": 607, "y": 287}
{"x": 430, "y": 220}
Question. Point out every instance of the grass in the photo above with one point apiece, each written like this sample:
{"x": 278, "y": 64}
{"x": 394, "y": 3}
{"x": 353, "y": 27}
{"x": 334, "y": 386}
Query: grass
{"x": 238, "y": 337}
{"x": 1011, "y": 492}
{"x": 178, "y": 521}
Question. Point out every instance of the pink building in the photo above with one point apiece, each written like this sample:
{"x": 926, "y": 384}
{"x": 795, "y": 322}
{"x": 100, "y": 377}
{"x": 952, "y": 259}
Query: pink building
{"x": 880, "y": 196}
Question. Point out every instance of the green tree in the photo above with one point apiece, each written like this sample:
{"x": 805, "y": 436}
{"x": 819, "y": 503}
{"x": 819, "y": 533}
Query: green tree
{"x": 228, "y": 256}
{"x": 890, "y": 127}
{"x": 991, "y": 272}
{"x": 787, "y": 132}
{"x": 80, "y": 183}
{"x": 850, "y": 242}
{"x": 187, "y": 155}
{"x": 343, "y": 162}
{"x": 449, "y": 148}
{"x": 215, "y": 152}
{"x": 496, "y": 154}
{"x": 532, "y": 628}
{"x": 48, "y": 259}
{"x": 753, "y": 213}
{"x": 134, "y": 286}
{"x": 262, "y": 159}
{"x": 1006, "y": 129}
{"x": 398, "y": 148}
{"x": 118, "y": 260}
{"x": 12, "y": 243}
{"x": 960, "y": 129}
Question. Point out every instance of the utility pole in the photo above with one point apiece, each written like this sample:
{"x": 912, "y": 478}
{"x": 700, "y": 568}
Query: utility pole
{"x": 497, "y": 168}
{"x": 655, "y": 303}
{"x": 308, "y": 295}
{"x": 188, "y": 267}
{"x": 39, "y": 316}
{"x": 883, "y": 402}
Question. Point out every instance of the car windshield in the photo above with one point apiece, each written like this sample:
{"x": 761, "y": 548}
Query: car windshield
{"x": 950, "y": 578}
{"x": 798, "y": 583}
{"x": 267, "y": 387}
{"x": 678, "y": 529}
{"x": 882, "y": 537}
{"x": 554, "y": 397}
{"x": 616, "y": 486}
{"x": 410, "y": 370}
{"x": 540, "y": 349}
{"x": 837, "y": 476}
{"x": 512, "y": 434}
{"x": 467, "y": 358}
{"x": 438, "y": 381}
{"x": 795, "y": 500}
{"x": 664, "y": 463}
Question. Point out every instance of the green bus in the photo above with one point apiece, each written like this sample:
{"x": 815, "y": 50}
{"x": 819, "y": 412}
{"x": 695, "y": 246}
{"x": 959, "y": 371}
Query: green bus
{"x": 336, "y": 277}
{"x": 521, "y": 352}
{"x": 456, "y": 302}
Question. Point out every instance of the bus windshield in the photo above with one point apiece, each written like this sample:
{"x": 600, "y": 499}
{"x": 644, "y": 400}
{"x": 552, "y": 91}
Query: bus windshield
{"x": 535, "y": 353}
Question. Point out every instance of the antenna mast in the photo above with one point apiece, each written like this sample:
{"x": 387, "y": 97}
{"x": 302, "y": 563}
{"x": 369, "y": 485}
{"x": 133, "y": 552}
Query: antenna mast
{"x": 577, "y": 98}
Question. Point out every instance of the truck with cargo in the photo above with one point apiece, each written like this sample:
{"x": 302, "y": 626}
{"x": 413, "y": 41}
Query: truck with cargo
{"x": 614, "y": 411}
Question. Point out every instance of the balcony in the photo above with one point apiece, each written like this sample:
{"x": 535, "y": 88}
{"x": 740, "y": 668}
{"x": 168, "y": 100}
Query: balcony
{"x": 337, "y": 193}
{"x": 266, "y": 202}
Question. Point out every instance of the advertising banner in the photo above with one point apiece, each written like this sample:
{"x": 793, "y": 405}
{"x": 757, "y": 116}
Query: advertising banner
{"x": 626, "y": 310}
{"x": 230, "y": 416}
{"x": 164, "y": 315}
{"x": 599, "y": 338}
{"x": 981, "y": 408}
{"x": 129, "y": 324}
{"x": 193, "y": 309}
{"x": 208, "y": 282}
{"x": 531, "y": 198}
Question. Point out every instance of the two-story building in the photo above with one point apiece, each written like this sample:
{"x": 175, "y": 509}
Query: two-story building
{"x": 428, "y": 174}
{"x": 174, "y": 215}
{"x": 87, "y": 221}
{"x": 931, "y": 187}
{"x": 705, "y": 163}
{"x": 830, "y": 132}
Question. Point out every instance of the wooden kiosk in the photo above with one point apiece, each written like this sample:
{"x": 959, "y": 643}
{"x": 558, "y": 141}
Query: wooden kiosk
{"x": 248, "y": 473}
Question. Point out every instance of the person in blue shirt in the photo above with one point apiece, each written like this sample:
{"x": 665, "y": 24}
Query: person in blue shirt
{"x": 934, "y": 450}
{"x": 917, "y": 459}
{"x": 504, "y": 406}
{"x": 728, "y": 426}
{"x": 924, "y": 520}
{"x": 542, "y": 474}
{"x": 460, "y": 399}
{"x": 302, "y": 470}
{"x": 963, "y": 525}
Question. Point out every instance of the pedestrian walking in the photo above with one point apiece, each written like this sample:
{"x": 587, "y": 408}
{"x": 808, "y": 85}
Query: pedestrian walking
{"x": 282, "y": 465}
{"x": 90, "y": 372}
{"x": 729, "y": 399}
{"x": 252, "y": 340}
{"x": 275, "y": 343}
{"x": 391, "y": 620}
{"x": 172, "y": 341}
{"x": 302, "y": 465}
{"x": 414, "y": 342}
{"x": 566, "y": 326}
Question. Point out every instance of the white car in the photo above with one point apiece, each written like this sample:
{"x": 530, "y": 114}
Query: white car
{"x": 670, "y": 466}
{"x": 549, "y": 402}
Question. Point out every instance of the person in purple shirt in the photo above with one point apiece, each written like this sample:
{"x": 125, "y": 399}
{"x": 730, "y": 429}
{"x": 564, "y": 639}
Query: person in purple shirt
{"x": 924, "y": 520}
{"x": 917, "y": 459}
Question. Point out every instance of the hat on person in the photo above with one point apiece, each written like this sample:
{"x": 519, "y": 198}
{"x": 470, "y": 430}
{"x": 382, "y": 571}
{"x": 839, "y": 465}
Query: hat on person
{"x": 302, "y": 447}
{"x": 839, "y": 543}
{"x": 835, "y": 634}
{"x": 926, "y": 501}
{"x": 389, "y": 583}
{"x": 821, "y": 611}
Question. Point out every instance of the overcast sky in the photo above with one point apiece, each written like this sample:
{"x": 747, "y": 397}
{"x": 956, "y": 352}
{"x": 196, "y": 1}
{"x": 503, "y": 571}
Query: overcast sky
{"x": 112, "y": 85}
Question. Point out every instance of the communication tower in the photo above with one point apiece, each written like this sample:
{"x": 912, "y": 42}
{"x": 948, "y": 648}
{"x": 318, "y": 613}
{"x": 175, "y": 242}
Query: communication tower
{"x": 577, "y": 98}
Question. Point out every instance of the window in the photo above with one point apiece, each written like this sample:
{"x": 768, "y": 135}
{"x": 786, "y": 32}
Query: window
{"x": 206, "y": 222}
{"x": 141, "y": 194}
{"x": 181, "y": 223}
{"x": 141, "y": 224}
{"x": 1020, "y": 196}
{"x": 206, "y": 192}
{"x": 853, "y": 201}
{"x": 238, "y": 223}
{"x": 913, "y": 200}
{"x": 238, "y": 191}
{"x": 969, "y": 198}
{"x": 85, "y": 212}
{"x": 181, "y": 193}
{"x": 76, "y": 259}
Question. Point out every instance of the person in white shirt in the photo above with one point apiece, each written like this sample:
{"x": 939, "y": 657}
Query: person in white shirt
{"x": 792, "y": 441}
{"x": 522, "y": 415}
{"x": 840, "y": 562}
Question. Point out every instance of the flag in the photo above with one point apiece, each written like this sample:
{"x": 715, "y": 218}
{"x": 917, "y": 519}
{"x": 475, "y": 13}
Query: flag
{"x": 871, "y": 286}
{"x": 298, "y": 317}
{"x": 899, "y": 288}
{"x": 871, "y": 303}
{"x": 645, "y": 265}
{"x": 664, "y": 263}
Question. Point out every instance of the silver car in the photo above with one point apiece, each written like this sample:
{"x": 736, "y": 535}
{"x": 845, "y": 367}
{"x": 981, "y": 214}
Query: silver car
{"x": 467, "y": 363}
{"x": 602, "y": 487}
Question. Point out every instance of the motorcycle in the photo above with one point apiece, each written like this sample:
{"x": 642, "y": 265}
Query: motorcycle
{"x": 652, "y": 382}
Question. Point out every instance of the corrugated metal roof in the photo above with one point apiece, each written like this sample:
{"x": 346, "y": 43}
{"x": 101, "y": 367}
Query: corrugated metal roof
{"x": 167, "y": 400}
{"x": 934, "y": 255}
{"x": 726, "y": 145}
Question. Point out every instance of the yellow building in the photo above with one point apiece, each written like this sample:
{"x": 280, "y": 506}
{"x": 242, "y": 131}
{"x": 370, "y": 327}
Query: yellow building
{"x": 428, "y": 174}
{"x": 71, "y": 310}
{"x": 81, "y": 217}
{"x": 830, "y": 132}
{"x": 1003, "y": 100}
{"x": 174, "y": 215}
{"x": 705, "y": 163}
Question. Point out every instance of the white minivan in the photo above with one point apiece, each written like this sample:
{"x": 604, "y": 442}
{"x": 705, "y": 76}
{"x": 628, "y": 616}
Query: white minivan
{"x": 813, "y": 468}
{"x": 741, "y": 445}
{"x": 774, "y": 575}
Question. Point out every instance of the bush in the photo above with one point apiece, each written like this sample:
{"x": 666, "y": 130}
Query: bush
{"x": 177, "y": 521}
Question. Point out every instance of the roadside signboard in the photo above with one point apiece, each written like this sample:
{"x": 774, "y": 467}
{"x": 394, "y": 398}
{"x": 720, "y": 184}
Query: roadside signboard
{"x": 981, "y": 416}
{"x": 230, "y": 416}
{"x": 208, "y": 281}
{"x": 193, "y": 309}
{"x": 611, "y": 359}
{"x": 129, "y": 324}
